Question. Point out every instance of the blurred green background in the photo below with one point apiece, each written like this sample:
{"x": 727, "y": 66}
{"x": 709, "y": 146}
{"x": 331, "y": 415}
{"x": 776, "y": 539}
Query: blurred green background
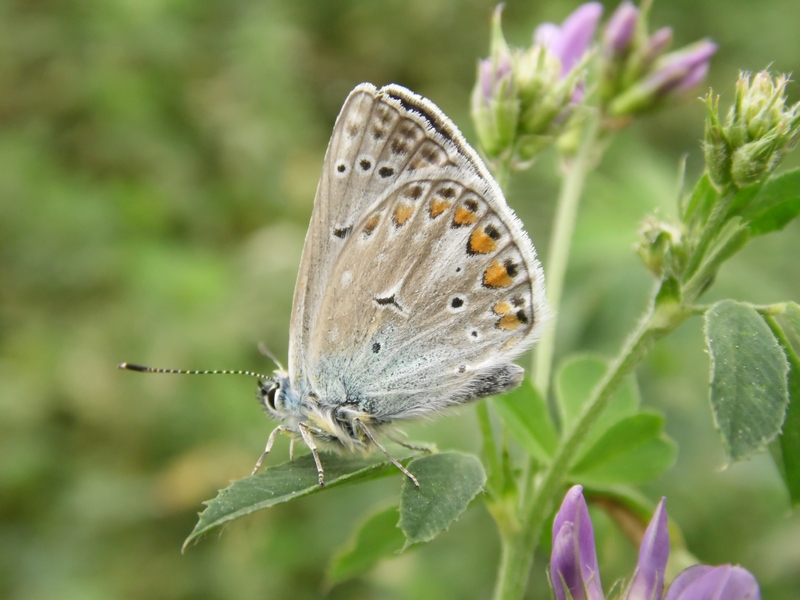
{"x": 158, "y": 160}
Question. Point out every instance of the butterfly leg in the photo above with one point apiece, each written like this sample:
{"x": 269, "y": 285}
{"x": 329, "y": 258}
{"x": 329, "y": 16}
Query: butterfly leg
{"x": 394, "y": 461}
{"x": 399, "y": 442}
{"x": 270, "y": 441}
{"x": 306, "y": 435}
{"x": 291, "y": 449}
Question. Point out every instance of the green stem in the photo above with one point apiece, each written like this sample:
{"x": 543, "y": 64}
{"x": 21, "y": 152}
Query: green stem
{"x": 491, "y": 456}
{"x": 558, "y": 256}
{"x": 502, "y": 171}
{"x": 710, "y": 231}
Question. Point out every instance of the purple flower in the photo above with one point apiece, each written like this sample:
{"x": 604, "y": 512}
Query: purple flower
{"x": 574, "y": 573}
{"x": 657, "y": 44}
{"x": 725, "y": 582}
{"x": 573, "y": 563}
{"x": 648, "y": 579}
{"x": 495, "y": 106}
{"x": 620, "y": 28}
{"x": 683, "y": 69}
{"x": 493, "y": 73}
{"x": 570, "y": 41}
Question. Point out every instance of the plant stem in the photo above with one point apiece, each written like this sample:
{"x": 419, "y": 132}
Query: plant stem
{"x": 710, "y": 231}
{"x": 491, "y": 456}
{"x": 558, "y": 256}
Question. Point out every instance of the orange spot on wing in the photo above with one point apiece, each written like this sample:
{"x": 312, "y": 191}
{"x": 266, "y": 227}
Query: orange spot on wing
{"x": 497, "y": 275}
{"x": 501, "y": 308}
{"x": 481, "y": 243}
{"x": 464, "y": 216}
{"x": 371, "y": 224}
{"x": 402, "y": 214}
{"x": 509, "y": 322}
{"x": 438, "y": 206}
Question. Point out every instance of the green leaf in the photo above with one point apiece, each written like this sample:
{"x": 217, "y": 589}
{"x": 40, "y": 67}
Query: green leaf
{"x": 574, "y": 383}
{"x": 285, "y": 482}
{"x": 376, "y": 538}
{"x": 749, "y": 393}
{"x": 525, "y": 413}
{"x": 743, "y": 198}
{"x": 448, "y": 481}
{"x": 776, "y": 204}
{"x": 634, "y": 450}
{"x": 702, "y": 199}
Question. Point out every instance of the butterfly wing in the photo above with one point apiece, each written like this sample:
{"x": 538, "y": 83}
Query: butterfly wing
{"x": 371, "y": 127}
{"x": 418, "y": 283}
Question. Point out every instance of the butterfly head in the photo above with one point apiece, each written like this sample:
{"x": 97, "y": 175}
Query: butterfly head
{"x": 333, "y": 427}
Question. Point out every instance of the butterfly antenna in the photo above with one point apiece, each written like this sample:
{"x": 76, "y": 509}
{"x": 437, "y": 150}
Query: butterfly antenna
{"x": 266, "y": 352}
{"x": 142, "y": 369}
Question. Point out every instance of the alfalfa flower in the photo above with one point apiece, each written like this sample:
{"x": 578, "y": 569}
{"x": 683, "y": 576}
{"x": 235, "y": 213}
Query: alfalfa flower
{"x": 574, "y": 574}
{"x": 523, "y": 98}
{"x": 495, "y": 105}
{"x": 638, "y": 75}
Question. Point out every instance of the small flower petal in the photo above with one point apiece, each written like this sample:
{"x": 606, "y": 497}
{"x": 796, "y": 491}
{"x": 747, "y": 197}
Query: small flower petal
{"x": 574, "y": 560}
{"x": 620, "y": 28}
{"x": 648, "y": 580}
{"x": 695, "y": 76}
{"x": 681, "y": 66}
{"x": 658, "y": 44}
{"x": 702, "y": 582}
{"x": 576, "y": 34}
{"x": 547, "y": 35}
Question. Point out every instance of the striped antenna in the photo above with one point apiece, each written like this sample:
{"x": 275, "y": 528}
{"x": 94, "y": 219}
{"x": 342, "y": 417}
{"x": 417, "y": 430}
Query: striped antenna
{"x": 142, "y": 369}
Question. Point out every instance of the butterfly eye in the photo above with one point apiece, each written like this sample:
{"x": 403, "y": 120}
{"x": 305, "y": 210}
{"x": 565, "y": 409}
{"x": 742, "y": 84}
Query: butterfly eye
{"x": 268, "y": 396}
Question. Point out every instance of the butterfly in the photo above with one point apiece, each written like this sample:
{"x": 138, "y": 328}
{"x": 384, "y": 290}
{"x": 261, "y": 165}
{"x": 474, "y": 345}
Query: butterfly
{"x": 417, "y": 286}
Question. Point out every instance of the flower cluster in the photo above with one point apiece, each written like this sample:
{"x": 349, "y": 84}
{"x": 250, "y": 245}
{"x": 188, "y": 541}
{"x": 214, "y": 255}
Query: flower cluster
{"x": 574, "y": 573}
{"x": 524, "y": 97}
{"x": 638, "y": 74}
{"x": 758, "y": 132}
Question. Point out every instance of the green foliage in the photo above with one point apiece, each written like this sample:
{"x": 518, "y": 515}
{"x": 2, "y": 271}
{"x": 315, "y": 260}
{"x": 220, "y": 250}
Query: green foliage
{"x": 775, "y": 204}
{"x": 282, "y": 483}
{"x": 527, "y": 417}
{"x": 376, "y": 538}
{"x": 634, "y": 450}
{"x": 624, "y": 446}
{"x": 448, "y": 481}
{"x": 575, "y": 381}
{"x": 749, "y": 393}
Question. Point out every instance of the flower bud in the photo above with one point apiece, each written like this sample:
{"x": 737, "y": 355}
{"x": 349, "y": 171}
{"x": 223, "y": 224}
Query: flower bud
{"x": 759, "y": 130}
{"x": 574, "y": 572}
{"x": 661, "y": 247}
{"x": 523, "y": 99}
{"x": 637, "y": 75}
{"x": 648, "y": 579}
{"x": 671, "y": 75}
{"x": 495, "y": 106}
{"x": 618, "y": 34}
{"x": 658, "y": 43}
